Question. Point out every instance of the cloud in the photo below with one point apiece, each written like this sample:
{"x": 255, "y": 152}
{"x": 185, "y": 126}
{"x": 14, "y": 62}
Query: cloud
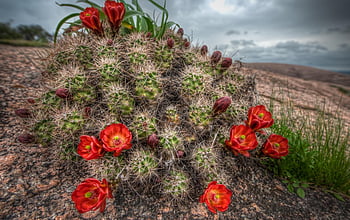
{"x": 341, "y": 30}
{"x": 233, "y": 32}
{"x": 242, "y": 43}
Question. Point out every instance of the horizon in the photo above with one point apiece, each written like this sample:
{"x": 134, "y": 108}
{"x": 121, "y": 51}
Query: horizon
{"x": 255, "y": 31}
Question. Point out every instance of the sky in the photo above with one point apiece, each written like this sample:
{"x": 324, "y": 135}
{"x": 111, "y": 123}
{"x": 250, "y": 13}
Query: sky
{"x": 305, "y": 32}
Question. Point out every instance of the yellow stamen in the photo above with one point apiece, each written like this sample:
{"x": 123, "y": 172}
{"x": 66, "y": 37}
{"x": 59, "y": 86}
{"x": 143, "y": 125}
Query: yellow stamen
{"x": 276, "y": 144}
{"x": 260, "y": 115}
{"x": 87, "y": 147}
{"x": 116, "y": 138}
{"x": 88, "y": 194}
{"x": 242, "y": 136}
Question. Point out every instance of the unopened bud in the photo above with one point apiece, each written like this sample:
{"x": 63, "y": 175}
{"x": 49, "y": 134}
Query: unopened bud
{"x": 180, "y": 32}
{"x": 170, "y": 42}
{"x": 26, "y": 138}
{"x": 149, "y": 35}
{"x": 109, "y": 42}
{"x": 86, "y": 112}
{"x": 187, "y": 44}
{"x": 204, "y": 50}
{"x": 226, "y": 63}
{"x": 221, "y": 105}
{"x": 23, "y": 113}
{"x": 153, "y": 140}
{"x": 180, "y": 154}
{"x": 215, "y": 57}
{"x": 31, "y": 101}
{"x": 62, "y": 93}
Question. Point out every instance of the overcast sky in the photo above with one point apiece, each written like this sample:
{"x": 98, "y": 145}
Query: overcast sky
{"x": 306, "y": 32}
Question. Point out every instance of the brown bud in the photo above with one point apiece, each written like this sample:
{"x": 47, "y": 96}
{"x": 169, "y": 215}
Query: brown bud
{"x": 87, "y": 112}
{"x": 26, "y": 138}
{"x": 153, "y": 140}
{"x": 215, "y": 57}
{"x": 204, "y": 50}
{"x": 187, "y": 44}
{"x": 23, "y": 113}
{"x": 170, "y": 42}
{"x": 180, "y": 154}
{"x": 62, "y": 93}
{"x": 226, "y": 63}
{"x": 180, "y": 32}
{"x": 31, "y": 101}
{"x": 221, "y": 105}
{"x": 109, "y": 42}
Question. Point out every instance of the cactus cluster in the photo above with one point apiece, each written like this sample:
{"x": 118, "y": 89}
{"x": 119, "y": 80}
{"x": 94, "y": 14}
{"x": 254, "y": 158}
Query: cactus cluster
{"x": 162, "y": 90}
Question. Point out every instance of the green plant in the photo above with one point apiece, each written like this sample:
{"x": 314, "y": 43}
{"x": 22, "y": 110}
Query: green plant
{"x": 318, "y": 148}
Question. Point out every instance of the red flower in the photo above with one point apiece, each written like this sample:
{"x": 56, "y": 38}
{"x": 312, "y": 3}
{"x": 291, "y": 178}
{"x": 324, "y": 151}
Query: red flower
{"x": 116, "y": 137}
{"x": 115, "y": 12}
{"x": 90, "y": 18}
{"x": 242, "y": 139}
{"x": 91, "y": 194}
{"x": 258, "y": 118}
{"x": 221, "y": 105}
{"x": 89, "y": 148}
{"x": 217, "y": 197}
{"x": 276, "y": 146}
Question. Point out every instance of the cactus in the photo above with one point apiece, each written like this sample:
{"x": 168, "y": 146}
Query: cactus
{"x": 176, "y": 185}
{"x": 143, "y": 165}
{"x": 156, "y": 90}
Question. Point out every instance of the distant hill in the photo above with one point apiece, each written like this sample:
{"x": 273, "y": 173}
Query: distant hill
{"x": 303, "y": 72}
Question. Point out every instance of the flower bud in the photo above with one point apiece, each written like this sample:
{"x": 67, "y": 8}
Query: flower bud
{"x": 149, "y": 35}
{"x": 26, "y": 138}
{"x": 62, "y": 93}
{"x": 204, "y": 50}
{"x": 180, "y": 32}
{"x": 221, "y": 105}
{"x": 86, "y": 112}
{"x": 180, "y": 154}
{"x": 187, "y": 44}
{"x": 31, "y": 101}
{"x": 215, "y": 57}
{"x": 153, "y": 140}
{"x": 226, "y": 63}
{"x": 109, "y": 42}
{"x": 170, "y": 42}
{"x": 23, "y": 113}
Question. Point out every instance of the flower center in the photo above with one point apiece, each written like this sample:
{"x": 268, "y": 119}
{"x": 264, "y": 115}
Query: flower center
{"x": 88, "y": 14}
{"x": 276, "y": 144}
{"x": 242, "y": 137}
{"x": 87, "y": 147}
{"x": 116, "y": 140}
{"x": 260, "y": 115}
{"x": 88, "y": 194}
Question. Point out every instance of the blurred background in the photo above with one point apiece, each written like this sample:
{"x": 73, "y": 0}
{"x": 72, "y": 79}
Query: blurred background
{"x": 314, "y": 33}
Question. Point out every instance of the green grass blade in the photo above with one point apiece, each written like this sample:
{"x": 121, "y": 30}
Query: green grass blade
{"x": 62, "y": 22}
{"x": 70, "y": 5}
{"x": 91, "y": 4}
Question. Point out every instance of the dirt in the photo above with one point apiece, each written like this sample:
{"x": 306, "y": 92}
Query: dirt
{"x": 37, "y": 185}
